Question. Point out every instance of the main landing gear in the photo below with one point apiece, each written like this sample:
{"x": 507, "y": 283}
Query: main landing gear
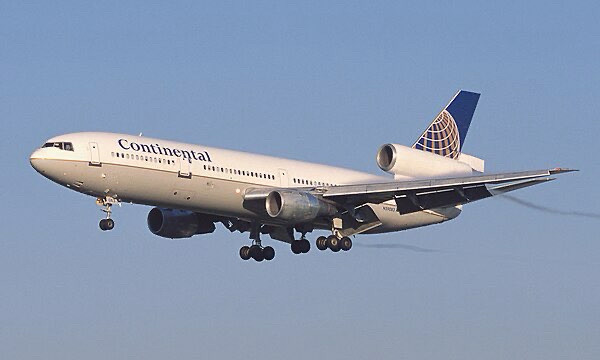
{"x": 256, "y": 251}
{"x": 301, "y": 246}
{"x": 106, "y": 203}
{"x": 333, "y": 243}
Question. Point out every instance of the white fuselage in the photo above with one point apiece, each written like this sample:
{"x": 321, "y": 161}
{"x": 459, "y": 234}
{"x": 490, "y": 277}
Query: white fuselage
{"x": 198, "y": 178}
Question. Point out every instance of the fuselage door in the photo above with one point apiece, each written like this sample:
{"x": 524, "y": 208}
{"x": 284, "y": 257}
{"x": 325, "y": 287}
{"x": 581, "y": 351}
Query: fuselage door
{"x": 94, "y": 154}
{"x": 184, "y": 168}
{"x": 283, "y": 178}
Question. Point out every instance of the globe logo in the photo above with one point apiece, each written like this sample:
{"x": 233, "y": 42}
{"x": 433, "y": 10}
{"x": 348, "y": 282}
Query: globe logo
{"x": 441, "y": 137}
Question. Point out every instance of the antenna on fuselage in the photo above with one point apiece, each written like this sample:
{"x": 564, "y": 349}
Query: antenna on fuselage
{"x": 140, "y": 134}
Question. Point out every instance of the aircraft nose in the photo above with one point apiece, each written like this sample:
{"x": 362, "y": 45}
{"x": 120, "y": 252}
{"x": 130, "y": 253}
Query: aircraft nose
{"x": 37, "y": 162}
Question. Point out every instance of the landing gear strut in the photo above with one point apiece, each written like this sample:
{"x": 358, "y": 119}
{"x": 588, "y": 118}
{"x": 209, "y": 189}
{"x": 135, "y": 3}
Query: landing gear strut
{"x": 107, "y": 203}
{"x": 256, "y": 251}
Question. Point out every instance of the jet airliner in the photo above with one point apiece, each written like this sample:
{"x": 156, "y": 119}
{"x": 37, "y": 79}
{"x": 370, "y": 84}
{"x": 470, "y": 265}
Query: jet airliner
{"x": 193, "y": 187}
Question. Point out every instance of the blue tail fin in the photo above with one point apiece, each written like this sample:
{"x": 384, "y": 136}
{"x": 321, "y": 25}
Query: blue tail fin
{"x": 446, "y": 135}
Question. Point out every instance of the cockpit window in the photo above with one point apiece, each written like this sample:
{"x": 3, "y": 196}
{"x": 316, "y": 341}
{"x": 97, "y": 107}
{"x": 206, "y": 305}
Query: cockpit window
{"x": 60, "y": 145}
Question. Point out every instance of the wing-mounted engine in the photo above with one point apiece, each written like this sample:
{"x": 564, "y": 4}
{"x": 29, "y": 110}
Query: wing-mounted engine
{"x": 296, "y": 207}
{"x": 403, "y": 161}
{"x": 177, "y": 224}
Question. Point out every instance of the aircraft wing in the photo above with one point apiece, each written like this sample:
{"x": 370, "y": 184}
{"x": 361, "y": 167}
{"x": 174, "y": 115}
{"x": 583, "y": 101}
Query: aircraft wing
{"x": 417, "y": 195}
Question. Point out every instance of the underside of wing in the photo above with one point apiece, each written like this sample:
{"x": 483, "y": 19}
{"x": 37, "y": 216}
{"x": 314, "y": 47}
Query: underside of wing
{"x": 418, "y": 195}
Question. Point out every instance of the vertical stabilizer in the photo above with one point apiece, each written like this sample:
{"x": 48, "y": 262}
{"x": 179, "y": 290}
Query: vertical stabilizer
{"x": 446, "y": 135}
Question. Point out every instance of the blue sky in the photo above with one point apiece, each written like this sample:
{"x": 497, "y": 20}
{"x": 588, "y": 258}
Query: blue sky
{"x": 324, "y": 82}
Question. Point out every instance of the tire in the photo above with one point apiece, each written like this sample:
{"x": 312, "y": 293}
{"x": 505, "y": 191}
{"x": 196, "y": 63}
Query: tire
{"x": 103, "y": 225}
{"x": 110, "y": 224}
{"x": 259, "y": 256}
{"x": 321, "y": 243}
{"x": 305, "y": 246}
{"x": 245, "y": 252}
{"x": 268, "y": 253}
{"x": 345, "y": 243}
{"x": 333, "y": 243}
{"x": 296, "y": 247}
{"x": 254, "y": 251}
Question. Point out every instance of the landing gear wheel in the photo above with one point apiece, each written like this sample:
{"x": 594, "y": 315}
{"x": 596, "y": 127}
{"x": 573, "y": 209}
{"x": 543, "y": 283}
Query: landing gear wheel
{"x": 304, "y": 246}
{"x": 107, "y": 224}
{"x": 268, "y": 253}
{"x": 345, "y": 243}
{"x": 321, "y": 243}
{"x": 333, "y": 243}
{"x": 256, "y": 253}
{"x": 245, "y": 252}
{"x": 296, "y": 247}
{"x": 258, "y": 256}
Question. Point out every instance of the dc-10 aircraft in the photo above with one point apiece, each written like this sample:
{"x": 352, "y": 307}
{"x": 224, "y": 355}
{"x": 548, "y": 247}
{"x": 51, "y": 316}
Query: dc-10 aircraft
{"x": 193, "y": 187}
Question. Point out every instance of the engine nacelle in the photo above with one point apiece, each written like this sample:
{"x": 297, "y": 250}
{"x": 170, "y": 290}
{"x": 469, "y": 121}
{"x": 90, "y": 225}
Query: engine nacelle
{"x": 177, "y": 224}
{"x": 405, "y": 161}
{"x": 296, "y": 207}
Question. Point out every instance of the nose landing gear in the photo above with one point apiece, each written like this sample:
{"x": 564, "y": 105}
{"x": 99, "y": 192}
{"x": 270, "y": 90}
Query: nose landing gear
{"x": 107, "y": 203}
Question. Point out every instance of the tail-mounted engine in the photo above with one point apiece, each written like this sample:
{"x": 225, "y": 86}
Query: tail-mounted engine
{"x": 176, "y": 224}
{"x": 403, "y": 161}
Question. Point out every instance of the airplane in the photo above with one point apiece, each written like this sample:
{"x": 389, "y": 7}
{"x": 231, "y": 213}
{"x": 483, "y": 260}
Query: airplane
{"x": 193, "y": 187}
